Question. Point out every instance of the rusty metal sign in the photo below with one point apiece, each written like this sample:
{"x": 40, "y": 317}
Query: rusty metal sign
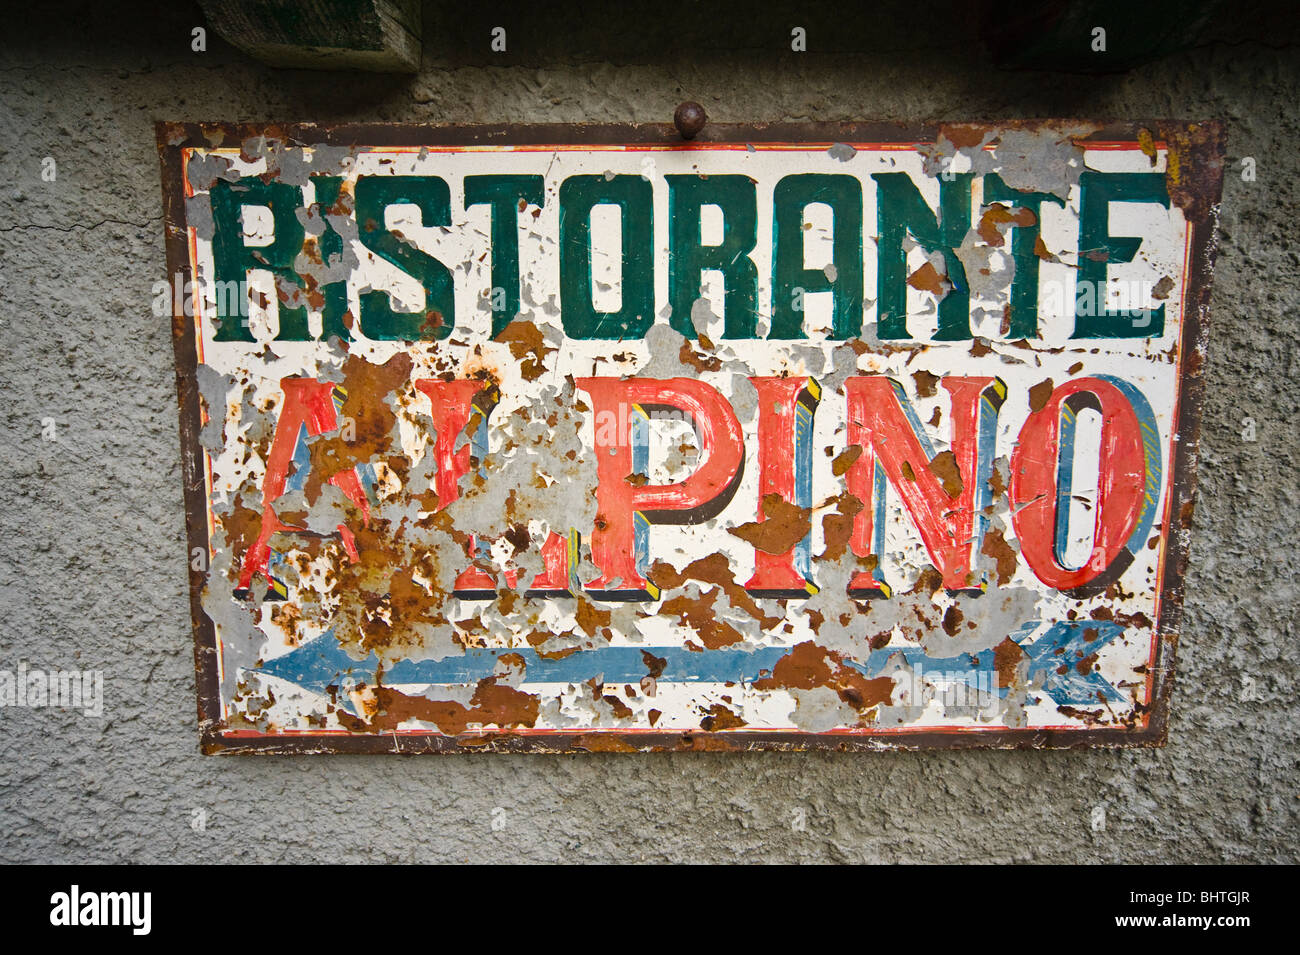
{"x": 587, "y": 438}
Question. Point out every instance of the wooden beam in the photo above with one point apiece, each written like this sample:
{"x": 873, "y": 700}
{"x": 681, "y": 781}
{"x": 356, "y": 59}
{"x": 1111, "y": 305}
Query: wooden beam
{"x": 381, "y": 36}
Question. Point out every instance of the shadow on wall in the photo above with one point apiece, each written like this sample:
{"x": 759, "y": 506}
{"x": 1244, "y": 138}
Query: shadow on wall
{"x": 1088, "y": 45}
{"x": 1055, "y": 35}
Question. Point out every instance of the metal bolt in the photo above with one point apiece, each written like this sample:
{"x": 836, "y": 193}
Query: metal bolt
{"x": 690, "y": 119}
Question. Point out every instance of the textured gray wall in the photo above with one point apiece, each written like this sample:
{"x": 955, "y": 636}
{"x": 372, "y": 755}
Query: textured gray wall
{"x": 92, "y": 546}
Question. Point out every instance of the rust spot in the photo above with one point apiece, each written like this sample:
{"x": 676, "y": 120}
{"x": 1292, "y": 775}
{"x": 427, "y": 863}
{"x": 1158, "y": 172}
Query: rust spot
{"x": 714, "y": 569}
{"x": 1147, "y": 143}
{"x": 367, "y": 385}
{"x": 1006, "y": 661}
{"x": 963, "y": 136}
{"x": 808, "y": 666}
{"x": 654, "y": 665}
{"x": 944, "y": 467}
{"x": 928, "y": 581}
{"x": 952, "y": 619}
{"x": 621, "y": 710}
{"x": 688, "y": 356}
{"x": 840, "y": 466}
{"x": 719, "y": 717}
{"x": 590, "y": 617}
{"x": 837, "y": 528}
{"x": 1089, "y": 717}
{"x": 995, "y": 545}
{"x": 242, "y": 527}
{"x": 1039, "y": 394}
{"x": 997, "y": 215}
{"x": 528, "y": 347}
{"x": 698, "y": 614}
{"x": 925, "y": 383}
{"x": 784, "y": 525}
{"x": 493, "y": 704}
{"x": 1194, "y": 167}
{"x": 927, "y": 279}
{"x": 432, "y": 322}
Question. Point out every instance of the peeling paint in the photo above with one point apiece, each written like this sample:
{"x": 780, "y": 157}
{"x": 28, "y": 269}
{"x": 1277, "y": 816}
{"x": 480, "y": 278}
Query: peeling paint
{"x": 861, "y": 535}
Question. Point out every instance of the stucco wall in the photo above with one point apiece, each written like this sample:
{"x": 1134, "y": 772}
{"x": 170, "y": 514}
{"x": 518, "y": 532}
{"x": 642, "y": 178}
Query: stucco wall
{"x": 92, "y": 545}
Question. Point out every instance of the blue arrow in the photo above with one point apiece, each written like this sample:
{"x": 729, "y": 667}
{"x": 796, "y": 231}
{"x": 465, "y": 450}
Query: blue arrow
{"x": 322, "y": 663}
{"x": 1062, "y": 647}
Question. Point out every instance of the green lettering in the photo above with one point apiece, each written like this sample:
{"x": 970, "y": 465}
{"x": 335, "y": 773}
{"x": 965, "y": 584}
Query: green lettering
{"x": 233, "y": 259}
{"x": 735, "y": 196}
{"x": 1098, "y": 248}
{"x": 1024, "y": 240}
{"x": 431, "y": 196}
{"x": 791, "y": 282}
{"x": 504, "y": 195}
{"x": 578, "y": 196}
{"x": 901, "y": 210}
{"x": 331, "y": 253}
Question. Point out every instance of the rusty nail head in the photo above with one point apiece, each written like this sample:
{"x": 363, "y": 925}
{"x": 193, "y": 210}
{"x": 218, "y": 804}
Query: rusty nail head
{"x": 690, "y": 119}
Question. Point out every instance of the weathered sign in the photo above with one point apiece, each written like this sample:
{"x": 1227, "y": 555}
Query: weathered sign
{"x": 579, "y": 437}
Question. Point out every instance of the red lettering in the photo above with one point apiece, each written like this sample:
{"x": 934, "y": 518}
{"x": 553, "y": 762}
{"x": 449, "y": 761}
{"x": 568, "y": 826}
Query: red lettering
{"x": 452, "y": 403}
{"x": 625, "y": 510}
{"x": 309, "y": 404}
{"x": 785, "y": 412}
{"x": 891, "y": 442}
{"x": 1128, "y": 482}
